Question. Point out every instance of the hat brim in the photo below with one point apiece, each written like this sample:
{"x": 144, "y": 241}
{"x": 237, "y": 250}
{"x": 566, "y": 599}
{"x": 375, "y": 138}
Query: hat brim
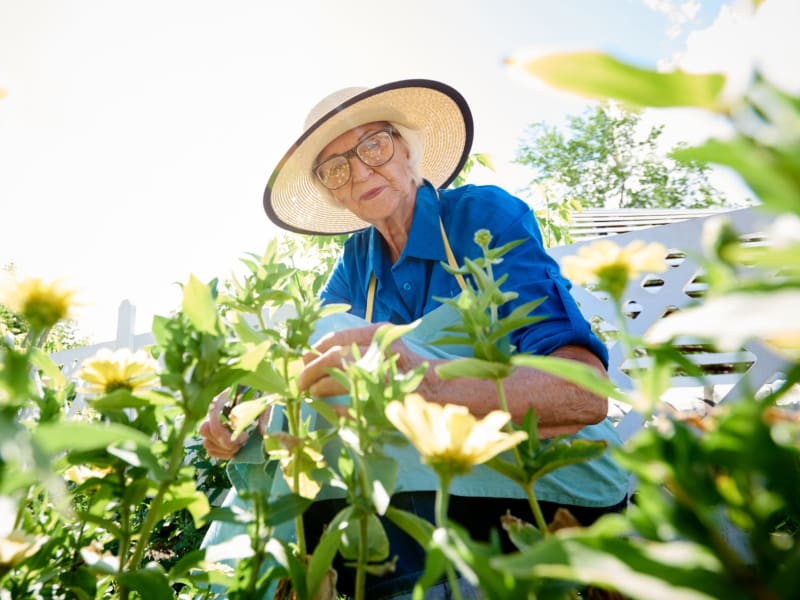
{"x": 437, "y": 113}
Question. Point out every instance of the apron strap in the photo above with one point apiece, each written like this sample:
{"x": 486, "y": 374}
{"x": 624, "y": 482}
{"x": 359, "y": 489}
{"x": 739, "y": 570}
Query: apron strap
{"x": 373, "y": 282}
{"x": 451, "y": 260}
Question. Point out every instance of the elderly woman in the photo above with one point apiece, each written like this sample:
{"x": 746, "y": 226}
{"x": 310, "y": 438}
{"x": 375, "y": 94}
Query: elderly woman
{"x": 376, "y": 162}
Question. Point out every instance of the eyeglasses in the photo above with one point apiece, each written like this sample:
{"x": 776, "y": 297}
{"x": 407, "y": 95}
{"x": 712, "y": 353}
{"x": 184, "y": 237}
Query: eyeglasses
{"x": 374, "y": 150}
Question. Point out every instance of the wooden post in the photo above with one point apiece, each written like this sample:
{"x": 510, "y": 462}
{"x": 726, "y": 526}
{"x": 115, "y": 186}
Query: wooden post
{"x": 125, "y": 325}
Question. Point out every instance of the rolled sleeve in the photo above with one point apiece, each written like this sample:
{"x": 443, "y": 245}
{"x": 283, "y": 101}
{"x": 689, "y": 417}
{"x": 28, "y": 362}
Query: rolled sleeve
{"x": 534, "y": 274}
{"x": 563, "y": 323}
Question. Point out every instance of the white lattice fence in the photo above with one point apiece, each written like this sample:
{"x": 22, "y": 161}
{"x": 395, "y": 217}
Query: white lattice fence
{"x": 653, "y": 296}
{"x": 126, "y": 338}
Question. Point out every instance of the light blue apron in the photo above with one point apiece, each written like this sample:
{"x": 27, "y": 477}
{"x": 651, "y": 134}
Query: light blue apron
{"x": 598, "y": 483}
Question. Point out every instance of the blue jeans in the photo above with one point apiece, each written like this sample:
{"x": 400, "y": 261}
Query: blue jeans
{"x": 478, "y": 515}
{"x": 441, "y": 591}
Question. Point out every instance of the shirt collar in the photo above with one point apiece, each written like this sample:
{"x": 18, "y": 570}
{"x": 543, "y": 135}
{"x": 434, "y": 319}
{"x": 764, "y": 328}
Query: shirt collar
{"x": 425, "y": 236}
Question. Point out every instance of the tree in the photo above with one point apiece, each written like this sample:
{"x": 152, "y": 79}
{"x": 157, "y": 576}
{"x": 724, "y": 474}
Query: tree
{"x": 604, "y": 161}
{"x": 476, "y": 158}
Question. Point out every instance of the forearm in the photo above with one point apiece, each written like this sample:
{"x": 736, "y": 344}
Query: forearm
{"x": 561, "y": 407}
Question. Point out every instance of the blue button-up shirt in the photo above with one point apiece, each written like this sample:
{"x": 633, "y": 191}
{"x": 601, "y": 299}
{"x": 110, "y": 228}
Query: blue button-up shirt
{"x": 406, "y": 289}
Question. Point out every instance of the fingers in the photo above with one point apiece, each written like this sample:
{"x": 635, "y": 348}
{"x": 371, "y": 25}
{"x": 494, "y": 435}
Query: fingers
{"x": 216, "y": 435}
{"x": 222, "y": 452}
{"x": 327, "y": 387}
{"x": 263, "y": 420}
{"x": 360, "y": 336}
{"x": 317, "y": 369}
{"x": 219, "y": 403}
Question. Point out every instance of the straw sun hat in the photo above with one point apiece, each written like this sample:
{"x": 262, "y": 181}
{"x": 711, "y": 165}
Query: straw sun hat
{"x": 437, "y": 114}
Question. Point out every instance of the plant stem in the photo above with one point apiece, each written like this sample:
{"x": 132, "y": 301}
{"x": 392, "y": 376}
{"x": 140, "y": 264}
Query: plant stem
{"x": 442, "y": 501}
{"x": 125, "y": 523}
{"x": 531, "y": 495}
{"x": 536, "y": 509}
{"x": 298, "y": 520}
{"x": 21, "y": 511}
{"x": 293, "y": 416}
{"x": 174, "y": 465}
{"x": 501, "y": 396}
{"x": 363, "y": 538}
{"x": 255, "y": 542}
{"x": 363, "y": 556}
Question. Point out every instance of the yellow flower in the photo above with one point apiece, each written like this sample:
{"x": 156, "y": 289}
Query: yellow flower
{"x": 17, "y": 547}
{"x": 610, "y": 266}
{"x": 108, "y": 371}
{"x": 42, "y": 304}
{"x": 449, "y": 437}
{"x": 80, "y": 474}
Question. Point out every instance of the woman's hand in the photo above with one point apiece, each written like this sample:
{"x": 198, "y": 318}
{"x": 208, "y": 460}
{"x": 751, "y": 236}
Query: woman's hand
{"x": 333, "y": 350}
{"x": 217, "y": 436}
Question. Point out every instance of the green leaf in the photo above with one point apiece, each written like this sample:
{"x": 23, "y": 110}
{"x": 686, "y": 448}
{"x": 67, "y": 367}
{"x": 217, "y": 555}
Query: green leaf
{"x": 435, "y": 565}
{"x": 322, "y": 557}
{"x": 387, "y": 334}
{"x": 381, "y": 476}
{"x": 199, "y": 306}
{"x": 109, "y": 525}
{"x": 185, "y": 495}
{"x": 638, "y": 569}
{"x": 522, "y": 534}
{"x": 523, "y": 311}
{"x": 81, "y": 582}
{"x": 784, "y": 257}
{"x": 474, "y": 368}
{"x": 377, "y": 540}
{"x": 326, "y": 410}
{"x": 576, "y": 372}
{"x": 42, "y": 361}
{"x": 758, "y": 165}
{"x": 472, "y": 559}
{"x": 415, "y": 526}
{"x": 599, "y": 75}
{"x": 252, "y": 358}
{"x": 508, "y": 469}
{"x": 118, "y": 400}
{"x": 139, "y": 456}
{"x": 186, "y": 563}
{"x": 285, "y": 508}
{"x": 247, "y": 412}
{"x": 285, "y": 556}
{"x": 556, "y": 453}
{"x": 151, "y": 583}
{"x": 80, "y": 437}
{"x": 266, "y": 378}
{"x": 226, "y": 515}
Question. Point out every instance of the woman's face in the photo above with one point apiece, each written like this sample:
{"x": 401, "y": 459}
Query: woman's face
{"x": 373, "y": 194}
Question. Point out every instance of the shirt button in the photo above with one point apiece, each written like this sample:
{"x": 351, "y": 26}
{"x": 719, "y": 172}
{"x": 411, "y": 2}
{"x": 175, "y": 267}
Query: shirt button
{"x": 407, "y": 286}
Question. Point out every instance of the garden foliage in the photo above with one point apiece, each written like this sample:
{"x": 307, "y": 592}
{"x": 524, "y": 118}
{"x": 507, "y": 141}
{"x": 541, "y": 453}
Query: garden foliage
{"x": 85, "y": 496}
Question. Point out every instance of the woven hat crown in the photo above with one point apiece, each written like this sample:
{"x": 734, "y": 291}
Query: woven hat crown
{"x": 330, "y": 102}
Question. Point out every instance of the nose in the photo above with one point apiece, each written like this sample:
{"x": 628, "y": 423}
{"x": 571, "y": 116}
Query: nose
{"x": 358, "y": 170}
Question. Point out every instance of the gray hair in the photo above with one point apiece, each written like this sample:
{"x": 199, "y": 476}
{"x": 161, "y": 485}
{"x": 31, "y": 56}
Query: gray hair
{"x": 413, "y": 142}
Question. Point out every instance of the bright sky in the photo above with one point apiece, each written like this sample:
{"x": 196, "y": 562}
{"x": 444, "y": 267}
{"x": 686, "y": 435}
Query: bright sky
{"x": 136, "y": 137}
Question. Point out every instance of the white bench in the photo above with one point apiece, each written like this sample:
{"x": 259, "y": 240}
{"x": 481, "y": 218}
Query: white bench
{"x": 652, "y": 296}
